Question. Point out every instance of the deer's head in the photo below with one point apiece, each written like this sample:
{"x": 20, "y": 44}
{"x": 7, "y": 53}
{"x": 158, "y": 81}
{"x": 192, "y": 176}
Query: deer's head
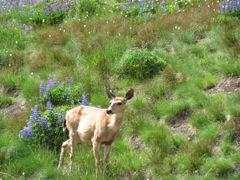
{"x": 117, "y": 104}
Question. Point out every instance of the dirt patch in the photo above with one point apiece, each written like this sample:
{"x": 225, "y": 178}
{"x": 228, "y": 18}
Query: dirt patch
{"x": 17, "y": 107}
{"x": 136, "y": 142}
{"x": 237, "y": 140}
{"x": 180, "y": 125}
{"x": 11, "y": 91}
{"x": 14, "y": 109}
{"x": 226, "y": 85}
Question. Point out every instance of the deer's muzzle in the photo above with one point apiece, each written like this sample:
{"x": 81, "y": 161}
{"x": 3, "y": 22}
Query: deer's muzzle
{"x": 109, "y": 111}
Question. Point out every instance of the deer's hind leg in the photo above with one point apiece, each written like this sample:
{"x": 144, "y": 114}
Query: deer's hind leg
{"x": 74, "y": 140}
{"x": 65, "y": 146}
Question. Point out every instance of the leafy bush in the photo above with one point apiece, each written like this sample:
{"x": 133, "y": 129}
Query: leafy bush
{"x": 59, "y": 93}
{"x": 140, "y": 63}
{"x": 45, "y": 122}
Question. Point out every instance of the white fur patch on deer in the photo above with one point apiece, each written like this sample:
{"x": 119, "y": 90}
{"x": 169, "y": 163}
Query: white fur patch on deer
{"x": 95, "y": 125}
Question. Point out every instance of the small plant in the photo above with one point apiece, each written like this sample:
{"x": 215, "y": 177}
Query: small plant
{"x": 140, "y": 63}
{"x": 45, "y": 122}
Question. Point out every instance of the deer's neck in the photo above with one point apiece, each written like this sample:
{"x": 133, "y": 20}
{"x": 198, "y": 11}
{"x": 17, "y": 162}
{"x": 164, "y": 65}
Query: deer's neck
{"x": 116, "y": 121}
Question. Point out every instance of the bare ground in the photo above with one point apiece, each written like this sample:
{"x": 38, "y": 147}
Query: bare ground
{"x": 17, "y": 107}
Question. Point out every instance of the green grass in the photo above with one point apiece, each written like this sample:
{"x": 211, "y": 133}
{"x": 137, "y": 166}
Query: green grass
{"x": 199, "y": 47}
{"x": 6, "y": 101}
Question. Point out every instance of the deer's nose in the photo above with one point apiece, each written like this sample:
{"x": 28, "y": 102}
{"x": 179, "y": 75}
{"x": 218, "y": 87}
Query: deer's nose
{"x": 109, "y": 111}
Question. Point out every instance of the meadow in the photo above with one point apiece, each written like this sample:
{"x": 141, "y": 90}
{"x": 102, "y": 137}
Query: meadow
{"x": 181, "y": 57}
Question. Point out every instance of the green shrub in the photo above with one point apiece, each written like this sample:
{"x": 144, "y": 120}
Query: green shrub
{"x": 140, "y": 63}
{"x": 45, "y": 123}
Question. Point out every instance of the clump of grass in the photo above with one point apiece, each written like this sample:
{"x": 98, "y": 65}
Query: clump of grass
{"x": 201, "y": 119}
{"x": 30, "y": 87}
{"x": 11, "y": 78}
{"x": 188, "y": 37}
{"x": 216, "y": 106}
{"x": 209, "y": 133}
{"x": 6, "y": 101}
{"x": 218, "y": 167}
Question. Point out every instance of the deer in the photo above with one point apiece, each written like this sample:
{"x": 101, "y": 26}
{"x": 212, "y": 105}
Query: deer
{"x": 95, "y": 125}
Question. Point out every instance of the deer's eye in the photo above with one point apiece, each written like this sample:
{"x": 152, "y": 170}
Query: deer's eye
{"x": 119, "y": 104}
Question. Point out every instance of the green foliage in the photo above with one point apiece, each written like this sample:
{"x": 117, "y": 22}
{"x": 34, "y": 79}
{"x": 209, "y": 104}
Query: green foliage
{"x": 140, "y": 64}
{"x": 5, "y": 101}
{"x": 139, "y": 9}
{"x": 60, "y": 94}
{"x": 45, "y": 123}
{"x": 218, "y": 166}
{"x": 51, "y": 13}
{"x": 47, "y": 130}
{"x": 89, "y": 7}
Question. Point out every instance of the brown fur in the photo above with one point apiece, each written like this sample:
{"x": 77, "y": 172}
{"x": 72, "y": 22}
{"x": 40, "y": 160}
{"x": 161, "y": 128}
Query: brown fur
{"x": 95, "y": 125}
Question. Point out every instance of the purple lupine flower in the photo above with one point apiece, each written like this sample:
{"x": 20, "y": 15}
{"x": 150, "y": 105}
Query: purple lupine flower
{"x": 44, "y": 123}
{"x": 51, "y": 82}
{"x": 48, "y": 10}
{"x": 144, "y": 44}
{"x": 162, "y": 4}
{"x": 71, "y": 80}
{"x": 57, "y": 7}
{"x": 35, "y": 113}
{"x": 26, "y": 133}
{"x": 122, "y": 7}
{"x": 42, "y": 89}
{"x": 84, "y": 99}
{"x": 54, "y": 81}
{"x": 49, "y": 107}
{"x": 141, "y": 2}
{"x": 26, "y": 28}
{"x": 72, "y": 103}
{"x": 68, "y": 94}
{"x": 59, "y": 119}
{"x": 67, "y": 80}
{"x": 229, "y": 6}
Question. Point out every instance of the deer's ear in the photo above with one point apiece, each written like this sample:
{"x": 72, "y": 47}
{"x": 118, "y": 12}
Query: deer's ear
{"x": 129, "y": 94}
{"x": 110, "y": 94}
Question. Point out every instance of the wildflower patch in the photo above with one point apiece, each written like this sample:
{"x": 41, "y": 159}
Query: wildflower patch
{"x": 44, "y": 126}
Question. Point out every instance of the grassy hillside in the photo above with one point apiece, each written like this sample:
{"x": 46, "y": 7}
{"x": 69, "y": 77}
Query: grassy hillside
{"x": 184, "y": 121}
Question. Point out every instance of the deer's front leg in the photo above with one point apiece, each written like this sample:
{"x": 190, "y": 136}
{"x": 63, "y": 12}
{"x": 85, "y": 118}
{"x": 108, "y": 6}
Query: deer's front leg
{"x": 96, "y": 146}
{"x": 106, "y": 155}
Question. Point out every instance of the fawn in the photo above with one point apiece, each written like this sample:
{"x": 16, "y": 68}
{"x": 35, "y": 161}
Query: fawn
{"x": 95, "y": 125}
